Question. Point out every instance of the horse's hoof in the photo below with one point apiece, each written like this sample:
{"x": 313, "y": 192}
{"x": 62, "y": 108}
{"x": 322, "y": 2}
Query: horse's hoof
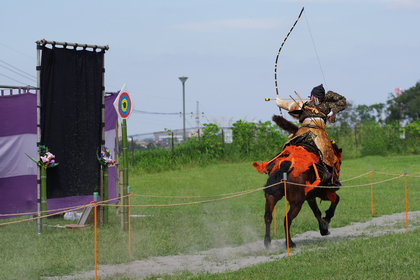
{"x": 325, "y": 233}
{"x": 291, "y": 244}
{"x": 267, "y": 243}
{"x": 323, "y": 227}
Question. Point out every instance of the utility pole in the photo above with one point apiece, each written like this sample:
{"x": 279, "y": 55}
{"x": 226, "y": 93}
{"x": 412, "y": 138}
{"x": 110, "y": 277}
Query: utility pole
{"x": 183, "y": 80}
{"x": 197, "y": 118}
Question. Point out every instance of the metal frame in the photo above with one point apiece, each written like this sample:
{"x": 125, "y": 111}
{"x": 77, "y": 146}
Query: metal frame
{"x": 44, "y": 42}
{"x": 20, "y": 88}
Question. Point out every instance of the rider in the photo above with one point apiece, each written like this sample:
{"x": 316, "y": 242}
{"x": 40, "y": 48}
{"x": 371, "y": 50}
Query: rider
{"x": 313, "y": 115}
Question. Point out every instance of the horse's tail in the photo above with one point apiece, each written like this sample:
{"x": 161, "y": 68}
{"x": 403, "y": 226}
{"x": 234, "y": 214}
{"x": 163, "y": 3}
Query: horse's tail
{"x": 285, "y": 124}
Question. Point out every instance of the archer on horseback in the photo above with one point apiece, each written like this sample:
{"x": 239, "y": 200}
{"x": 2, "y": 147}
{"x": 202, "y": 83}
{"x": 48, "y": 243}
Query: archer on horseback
{"x": 309, "y": 160}
{"x": 313, "y": 115}
{"x": 308, "y": 163}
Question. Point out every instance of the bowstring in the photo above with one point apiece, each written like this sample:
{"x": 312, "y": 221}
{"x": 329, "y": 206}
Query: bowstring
{"x": 316, "y": 52}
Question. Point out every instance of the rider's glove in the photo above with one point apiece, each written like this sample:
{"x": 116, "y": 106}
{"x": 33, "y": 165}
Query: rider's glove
{"x": 279, "y": 102}
{"x": 331, "y": 117}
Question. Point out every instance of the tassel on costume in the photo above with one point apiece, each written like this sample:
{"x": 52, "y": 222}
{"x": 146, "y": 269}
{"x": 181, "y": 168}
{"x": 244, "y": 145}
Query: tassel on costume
{"x": 315, "y": 183}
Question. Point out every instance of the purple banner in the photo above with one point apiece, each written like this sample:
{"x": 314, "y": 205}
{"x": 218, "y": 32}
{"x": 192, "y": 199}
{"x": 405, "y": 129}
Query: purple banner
{"x": 18, "y": 114}
{"x": 110, "y": 113}
{"x": 18, "y": 186}
{"x": 18, "y": 195}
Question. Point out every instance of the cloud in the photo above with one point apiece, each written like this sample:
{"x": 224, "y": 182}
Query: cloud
{"x": 403, "y": 4}
{"x": 228, "y": 24}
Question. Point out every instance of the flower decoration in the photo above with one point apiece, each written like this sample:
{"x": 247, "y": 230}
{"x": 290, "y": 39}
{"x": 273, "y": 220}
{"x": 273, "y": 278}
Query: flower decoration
{"x": 46, "y": 159}
{"x": 105, "y": 158}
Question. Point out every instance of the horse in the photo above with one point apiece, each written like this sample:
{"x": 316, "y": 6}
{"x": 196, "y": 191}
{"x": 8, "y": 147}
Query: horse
{"x": 301, "y": 164}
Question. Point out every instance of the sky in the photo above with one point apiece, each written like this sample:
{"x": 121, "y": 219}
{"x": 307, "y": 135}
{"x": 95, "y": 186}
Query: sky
{"x": 361, "y": 49}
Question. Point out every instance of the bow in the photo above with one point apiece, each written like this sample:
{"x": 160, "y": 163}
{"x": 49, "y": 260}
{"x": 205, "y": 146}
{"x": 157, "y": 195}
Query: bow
{"x": 277, "y": 58}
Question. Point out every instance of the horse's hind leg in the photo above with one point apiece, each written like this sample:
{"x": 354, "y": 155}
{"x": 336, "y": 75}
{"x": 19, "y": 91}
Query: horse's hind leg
{"x": 291, "y": 214}
{"x": 270, "y": 202}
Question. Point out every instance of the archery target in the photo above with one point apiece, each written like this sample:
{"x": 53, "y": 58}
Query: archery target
{"x": 124, "y": 105}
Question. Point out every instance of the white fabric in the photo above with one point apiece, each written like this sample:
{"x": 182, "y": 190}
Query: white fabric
{"x": 69, "y": 216}
{"x": 311, "y": 119}
{"x": 13, "y": 161}
{"x": 110, "y": 141}
{"x": 13, "y": 148}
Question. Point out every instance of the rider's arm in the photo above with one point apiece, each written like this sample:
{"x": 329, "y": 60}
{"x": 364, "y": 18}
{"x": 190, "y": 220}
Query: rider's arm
{"x": 337, "y": 102}
{"x": 289, "y": 106}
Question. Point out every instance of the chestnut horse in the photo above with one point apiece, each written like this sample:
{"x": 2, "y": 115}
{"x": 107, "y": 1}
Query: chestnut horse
{"x": 301, "y": 162}
{"x": 296, "y": 196}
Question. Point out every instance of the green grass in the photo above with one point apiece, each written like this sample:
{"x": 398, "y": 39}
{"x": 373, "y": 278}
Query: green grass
{"x": 188, "y": 229}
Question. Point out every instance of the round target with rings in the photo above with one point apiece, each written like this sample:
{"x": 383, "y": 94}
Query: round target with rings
{"x": 124, "y": 105}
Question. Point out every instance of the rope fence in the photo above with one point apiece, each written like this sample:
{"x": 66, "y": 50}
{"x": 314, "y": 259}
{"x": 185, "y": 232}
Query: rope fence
{"x": 396, "y": 174}
{"x": 191, "y": 203}
{"x": 45, "y": 216}
{"x": 356, "y": 177}
{"x": 221, "y": 197}
{"x": 217, "y": 195}
{"x": 58, "y": 210}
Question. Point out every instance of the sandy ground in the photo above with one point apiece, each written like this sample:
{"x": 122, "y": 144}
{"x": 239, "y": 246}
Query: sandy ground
{"x": 234, "y": 258}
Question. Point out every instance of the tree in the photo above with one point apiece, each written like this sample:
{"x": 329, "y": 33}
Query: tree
{"x": 404, "y": 107}
{"x": 379, "y": 109}
{"x": 355, "y": 115}
{"x": 346, "y": 118}
{"x": 364, "y": 114}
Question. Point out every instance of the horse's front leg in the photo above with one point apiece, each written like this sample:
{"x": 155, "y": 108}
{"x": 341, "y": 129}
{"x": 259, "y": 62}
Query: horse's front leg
{"x": 323, "y": 225}
{"x": 335, "y": 199}
{"x": 270, "y": 202}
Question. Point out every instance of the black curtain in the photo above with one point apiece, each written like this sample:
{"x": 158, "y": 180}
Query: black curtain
{"x": 71, "y": 120}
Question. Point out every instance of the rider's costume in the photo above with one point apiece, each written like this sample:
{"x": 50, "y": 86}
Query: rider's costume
{"x": 313, "y": 115}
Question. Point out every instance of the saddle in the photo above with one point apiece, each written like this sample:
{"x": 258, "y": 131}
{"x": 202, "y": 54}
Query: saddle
{"x": 310, "y": 136}
{"x": 303, "y": 153}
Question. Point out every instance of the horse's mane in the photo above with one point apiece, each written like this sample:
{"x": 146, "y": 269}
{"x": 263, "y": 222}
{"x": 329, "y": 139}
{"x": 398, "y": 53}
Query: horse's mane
{"x": 285, "y": 124}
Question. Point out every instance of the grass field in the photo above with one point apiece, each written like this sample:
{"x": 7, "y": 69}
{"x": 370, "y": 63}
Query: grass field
{"x": 192, "y": 228}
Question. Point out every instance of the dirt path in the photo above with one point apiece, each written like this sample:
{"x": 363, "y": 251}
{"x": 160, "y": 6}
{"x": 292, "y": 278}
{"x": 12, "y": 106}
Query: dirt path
{"x": 234, "y": 258}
